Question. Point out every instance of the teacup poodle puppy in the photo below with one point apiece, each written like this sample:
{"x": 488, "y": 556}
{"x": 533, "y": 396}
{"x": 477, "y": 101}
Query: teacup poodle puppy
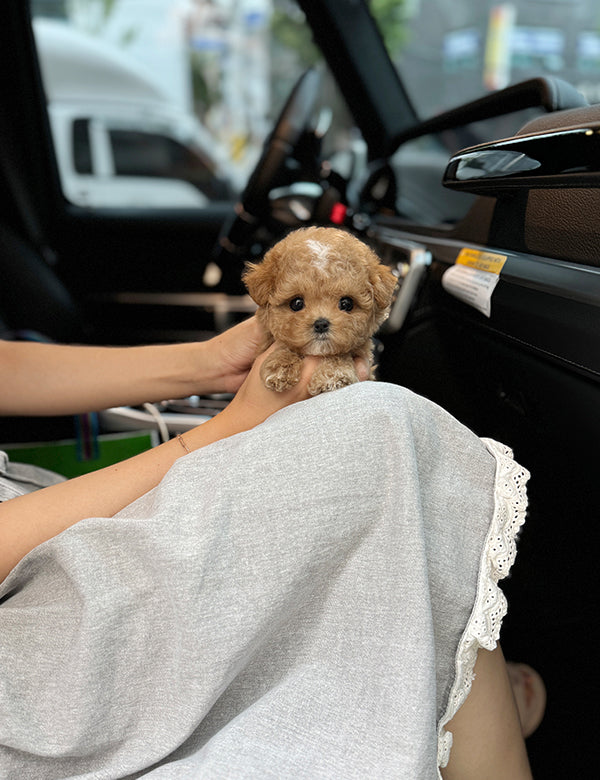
{"x": 320, "y": 291}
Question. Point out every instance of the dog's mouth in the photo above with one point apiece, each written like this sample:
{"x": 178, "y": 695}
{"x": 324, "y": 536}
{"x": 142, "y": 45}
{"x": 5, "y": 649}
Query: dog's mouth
{"x": 320, "y": 344}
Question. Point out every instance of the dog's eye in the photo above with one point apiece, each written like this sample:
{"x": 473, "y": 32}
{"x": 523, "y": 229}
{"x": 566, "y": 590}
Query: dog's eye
{"x": 297, "y": 304}
{"x": 346, "y": 303}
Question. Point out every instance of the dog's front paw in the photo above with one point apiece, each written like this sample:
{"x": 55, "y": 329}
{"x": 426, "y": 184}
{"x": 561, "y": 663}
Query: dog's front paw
{"x": 280, "y": 372}
{"x": 332, "y": 374}
{"x": 325, "y": 386}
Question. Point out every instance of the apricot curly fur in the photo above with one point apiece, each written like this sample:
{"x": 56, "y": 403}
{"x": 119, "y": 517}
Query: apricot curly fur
{"x": 345, "y": 293}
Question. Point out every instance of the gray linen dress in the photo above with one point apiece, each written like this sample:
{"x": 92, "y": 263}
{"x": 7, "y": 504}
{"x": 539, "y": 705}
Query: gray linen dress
{"x": 303, "y": 600}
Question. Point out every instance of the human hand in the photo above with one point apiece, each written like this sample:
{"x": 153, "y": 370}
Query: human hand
{"x": 231, "y": 354}
{"x": 228, "y": 357}
{"x": 254, "y": 402}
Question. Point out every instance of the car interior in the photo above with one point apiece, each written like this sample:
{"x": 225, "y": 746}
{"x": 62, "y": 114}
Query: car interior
{"x": 496, "y": 317}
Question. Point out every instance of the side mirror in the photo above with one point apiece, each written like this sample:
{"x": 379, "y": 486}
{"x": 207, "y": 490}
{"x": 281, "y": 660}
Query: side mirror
{"x": 566, "y": 157}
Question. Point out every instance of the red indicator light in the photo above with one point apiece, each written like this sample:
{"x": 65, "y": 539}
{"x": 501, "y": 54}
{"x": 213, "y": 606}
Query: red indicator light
{"x": 338, "y": 213}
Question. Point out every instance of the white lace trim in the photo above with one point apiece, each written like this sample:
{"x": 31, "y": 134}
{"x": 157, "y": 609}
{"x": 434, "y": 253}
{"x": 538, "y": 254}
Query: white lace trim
{"x": 500, "y": 549}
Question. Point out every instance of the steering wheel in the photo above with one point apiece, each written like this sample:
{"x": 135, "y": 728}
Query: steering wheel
{"x": 253, "y": 207}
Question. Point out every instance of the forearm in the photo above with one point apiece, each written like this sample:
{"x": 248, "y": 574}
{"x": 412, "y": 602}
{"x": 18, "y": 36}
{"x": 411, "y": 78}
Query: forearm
{"x": 53, "y": 379}
{"x": 29, "y": 520}
{"x": 46, "y": 379}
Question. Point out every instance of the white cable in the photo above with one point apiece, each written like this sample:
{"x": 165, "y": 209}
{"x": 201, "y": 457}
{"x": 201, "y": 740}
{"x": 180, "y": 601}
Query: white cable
{"x": 162, "y": 426}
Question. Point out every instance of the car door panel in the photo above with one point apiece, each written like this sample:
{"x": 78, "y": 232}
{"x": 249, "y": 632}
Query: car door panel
{"x": 529, "y": 375}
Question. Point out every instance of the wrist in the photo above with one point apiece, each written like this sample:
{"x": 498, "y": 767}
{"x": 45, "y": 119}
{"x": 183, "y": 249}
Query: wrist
{"x": 221, "y": 426}
{"x": 197, "y": 369}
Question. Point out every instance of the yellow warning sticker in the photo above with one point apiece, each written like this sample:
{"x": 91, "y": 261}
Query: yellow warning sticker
{"x": 483, "y": 261}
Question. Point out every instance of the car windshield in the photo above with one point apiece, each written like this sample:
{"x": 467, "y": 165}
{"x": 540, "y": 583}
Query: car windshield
{"x": 205, "y": 79}
{"x": 168, "y": 82}
{"x": 449, "y": 52}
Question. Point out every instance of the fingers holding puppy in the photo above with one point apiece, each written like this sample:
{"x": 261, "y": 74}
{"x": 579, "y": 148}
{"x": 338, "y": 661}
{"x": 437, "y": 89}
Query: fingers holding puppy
{"x": 362, "y": 368}
{"x": 282, "y": 369}
{"x": 254, "y": 402}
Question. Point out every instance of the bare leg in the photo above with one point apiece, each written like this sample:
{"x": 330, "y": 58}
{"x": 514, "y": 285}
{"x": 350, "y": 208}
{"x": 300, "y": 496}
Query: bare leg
{"x": 530, "y": 694}
{"x": 488, "y": 744}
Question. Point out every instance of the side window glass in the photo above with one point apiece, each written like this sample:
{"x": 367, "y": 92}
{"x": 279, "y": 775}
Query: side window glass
{"x": 82, "y": 150}
{"x": 166, "y": 103}
{"x": 152, "y": 155}
{"x": 140, "y": 154}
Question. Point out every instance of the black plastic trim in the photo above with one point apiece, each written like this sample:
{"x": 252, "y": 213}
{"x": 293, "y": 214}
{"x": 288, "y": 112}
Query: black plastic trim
{"x": 351, "y": 43}
{"x": 543, "y": 304}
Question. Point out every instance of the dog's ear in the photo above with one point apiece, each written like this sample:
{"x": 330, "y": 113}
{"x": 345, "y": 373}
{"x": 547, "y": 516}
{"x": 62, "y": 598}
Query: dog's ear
{"x": 383, "y": 282}
{"x": 258, "y": 279}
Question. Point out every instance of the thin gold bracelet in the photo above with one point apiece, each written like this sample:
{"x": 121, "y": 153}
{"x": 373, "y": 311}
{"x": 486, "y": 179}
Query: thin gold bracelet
{"x": 181, "y": 440}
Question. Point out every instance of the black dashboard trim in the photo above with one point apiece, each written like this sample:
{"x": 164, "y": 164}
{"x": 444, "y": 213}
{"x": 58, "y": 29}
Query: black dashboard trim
{"x": 542, "y": 304}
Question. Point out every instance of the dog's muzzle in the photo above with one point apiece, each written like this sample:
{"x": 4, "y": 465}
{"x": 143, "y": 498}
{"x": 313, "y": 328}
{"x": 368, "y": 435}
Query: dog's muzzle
{"x": 321, "y": 325}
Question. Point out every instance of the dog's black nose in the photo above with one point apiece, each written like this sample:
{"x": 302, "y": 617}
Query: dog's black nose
{"x": 321, "y": 325}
